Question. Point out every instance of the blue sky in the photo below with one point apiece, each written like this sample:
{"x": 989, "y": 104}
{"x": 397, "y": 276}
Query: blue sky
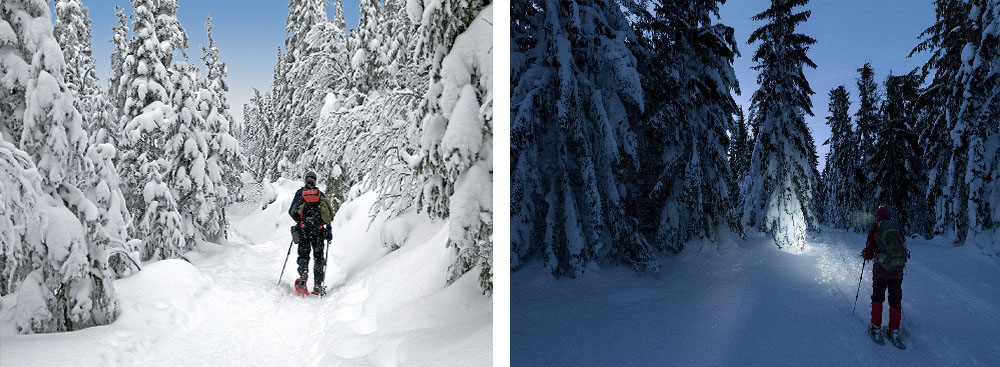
{"x": 247, "y": 33}
{"x": 848, "y": 33}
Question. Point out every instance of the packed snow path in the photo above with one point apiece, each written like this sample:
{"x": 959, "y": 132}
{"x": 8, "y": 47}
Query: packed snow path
{"x": 752, "y": 304}
{"x": 224, "y": 307}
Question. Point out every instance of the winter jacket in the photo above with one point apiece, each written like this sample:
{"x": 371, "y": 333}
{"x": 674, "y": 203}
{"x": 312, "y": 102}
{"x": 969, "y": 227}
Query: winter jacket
{"x": 869, "y": 253}
{"x": 298, "y": 204}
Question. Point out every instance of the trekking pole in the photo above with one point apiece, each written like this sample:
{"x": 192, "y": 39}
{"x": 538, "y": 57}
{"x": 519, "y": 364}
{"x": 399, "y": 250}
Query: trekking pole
{"x": 286, "y": 261}
{"x": 326, "y": 257}
{"x": 859, "y": 286}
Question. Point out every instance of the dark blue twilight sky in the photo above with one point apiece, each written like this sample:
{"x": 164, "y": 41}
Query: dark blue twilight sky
{"x": 848, "y": 33}
{"x": 247, "y": 33}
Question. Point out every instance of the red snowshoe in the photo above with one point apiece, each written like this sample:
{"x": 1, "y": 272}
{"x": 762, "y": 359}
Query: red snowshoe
{"x": 300, "y": 288}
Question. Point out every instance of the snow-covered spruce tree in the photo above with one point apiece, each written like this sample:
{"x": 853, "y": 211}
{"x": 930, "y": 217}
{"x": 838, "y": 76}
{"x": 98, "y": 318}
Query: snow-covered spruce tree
{"x": 687, "y": 133}
{"x": 779, "y": 197}
{"x": 226, "y": 161}
{"x": 939, "y": 103}
{"x": 275, "y": 116}
{"x": 367, "y": 52}
{"x": 979, "y": 114}
{"x": 295, "y": 127}
{"x": 186, "y": 156}
{"x": 740, "y": 150}
{"x": 121, "y": 41}
{"x": 72, "y": 31}
{"x": 895, "y": 160}
{"x": 842, "y": 161}
{"x": 402, "y": 65}
{"x": 147, "y": 119}
{"x": 868, "y": 125}
{"x": 69, "y": 287}
{"x": 456, "y": 149}
{"x": 574, "y": 81}
{"x": 257, "y": 133}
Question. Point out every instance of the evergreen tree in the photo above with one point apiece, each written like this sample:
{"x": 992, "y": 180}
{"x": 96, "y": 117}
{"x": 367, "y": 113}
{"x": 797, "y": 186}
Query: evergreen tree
{"x": 867, "y": 119}
{"x": 367, "y": 54}
{"x": 688, "y": 132}
{"x": 188, "y": 173}
{"x": 456, "y": 149}
{"x": 573, "y": 78}
{"x": 257, "y": 135}
{"x": 147, "y": 118}
{"x": 779, "y": 198}
{"x": 840, "y": 179}
{"x": 944, "y": 40}
{"x": 72, "y": 31}
{"x": 226, "y": 161}
{"x": 741, "y": 148}
{"x": 45, "y": 146}
{"x": 979, "y": 115}
{"x": 121, "y": 42}
{"x": 295, "y": 123}
{"x": 895, "y": 161}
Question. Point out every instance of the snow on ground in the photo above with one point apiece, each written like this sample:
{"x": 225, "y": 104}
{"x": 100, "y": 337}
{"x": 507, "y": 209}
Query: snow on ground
{"x": 750, "y": 304}
{"x": 225, "y": 309}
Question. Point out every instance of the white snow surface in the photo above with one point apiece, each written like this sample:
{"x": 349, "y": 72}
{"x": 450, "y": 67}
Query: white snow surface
{"x": 751, "y": 304}
{"x": 224, "y": 308}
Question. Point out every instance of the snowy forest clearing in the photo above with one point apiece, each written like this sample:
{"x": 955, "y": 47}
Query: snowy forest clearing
{"x": 383, "y": 308}
{"x": 753, "y": 304}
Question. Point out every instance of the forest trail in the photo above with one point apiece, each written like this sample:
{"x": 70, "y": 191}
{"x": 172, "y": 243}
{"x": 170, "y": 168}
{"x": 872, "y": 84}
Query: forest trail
{"x": 750, "y": 303}
{"x": 225, "y": 308}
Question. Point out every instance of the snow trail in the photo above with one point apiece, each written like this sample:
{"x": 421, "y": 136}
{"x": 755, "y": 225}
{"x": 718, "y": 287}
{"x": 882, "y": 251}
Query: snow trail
{"x": 749, "y": 303}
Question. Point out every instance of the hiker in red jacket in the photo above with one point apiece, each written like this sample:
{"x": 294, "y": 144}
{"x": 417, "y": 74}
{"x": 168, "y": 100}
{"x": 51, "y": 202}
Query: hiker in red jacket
{"x": 888, "y": 247}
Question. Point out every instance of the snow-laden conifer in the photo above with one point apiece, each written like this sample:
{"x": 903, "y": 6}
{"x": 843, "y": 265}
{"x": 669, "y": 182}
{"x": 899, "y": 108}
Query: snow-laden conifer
{"x": 979, "y": 115}
{"x": 689, "y": 132}
{"x": 779, "y": 197}
{"x": 456, "y": 149}
{"x": 69, "y": 287}
{"x": 840, "y": 184}
{"x": 895, "y": 160}
{"x": 574, "y": 79}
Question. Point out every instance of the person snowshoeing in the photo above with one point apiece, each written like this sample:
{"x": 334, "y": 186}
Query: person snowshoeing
{"x": 312, "y": 213}
{"x": 887, "y": 246}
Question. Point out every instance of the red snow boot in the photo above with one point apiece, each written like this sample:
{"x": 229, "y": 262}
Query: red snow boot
{"x": 877, "y": 314}
{"x": 895, "y": 314}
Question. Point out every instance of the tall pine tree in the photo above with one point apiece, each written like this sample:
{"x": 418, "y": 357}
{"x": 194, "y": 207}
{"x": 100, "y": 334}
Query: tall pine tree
{"x": 868, "y": 125}
{"x": 945, "y": 40}
{"x": 980, "y": 114}
{"x": 895, "y": 160}
{"x": 688, "y": 131}
{"x": 779, "y": 199}
{"x": 840, "y": 180}
{"x": 574, "y": 81}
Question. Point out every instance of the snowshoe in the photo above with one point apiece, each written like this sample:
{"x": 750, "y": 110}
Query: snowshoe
{"x": 875, "y": 332}
{"x": 300, "y": 287}
{"x": 319, "y": 291}
{"x": 893, "y": 336}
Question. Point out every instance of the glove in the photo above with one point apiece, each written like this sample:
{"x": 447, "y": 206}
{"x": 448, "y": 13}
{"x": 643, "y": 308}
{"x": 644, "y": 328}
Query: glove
{"x": 327, "y": 233}
{"x": 866, "y": 255}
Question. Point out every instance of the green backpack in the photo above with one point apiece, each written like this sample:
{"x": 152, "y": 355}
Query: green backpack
{"x": 891, "y": 252}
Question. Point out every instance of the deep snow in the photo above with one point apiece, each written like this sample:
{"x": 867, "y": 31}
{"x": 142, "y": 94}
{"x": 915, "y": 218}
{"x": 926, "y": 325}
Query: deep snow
{"x": 225, "y": 309}
{"x": 750, "y": 304}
